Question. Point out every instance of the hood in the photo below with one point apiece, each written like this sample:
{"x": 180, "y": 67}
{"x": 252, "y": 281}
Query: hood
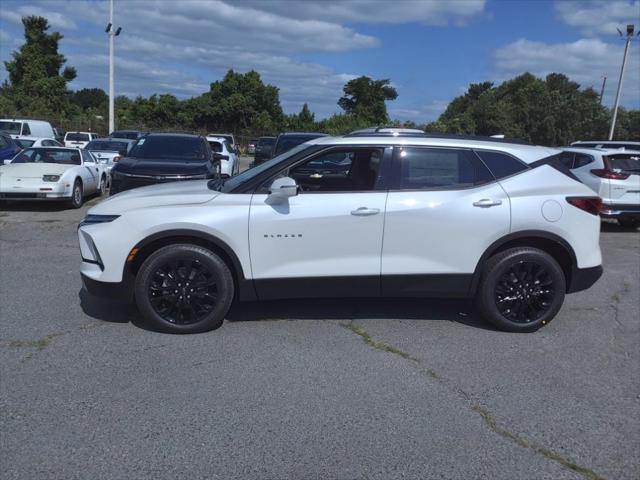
{"x": 150, "y": 166}
{"x": 34, "y": 170}
{"x": 162, "y": 194}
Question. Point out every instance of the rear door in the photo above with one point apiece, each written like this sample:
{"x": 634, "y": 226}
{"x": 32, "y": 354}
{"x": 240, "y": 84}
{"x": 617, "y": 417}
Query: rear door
{"x": 443, "y": 211}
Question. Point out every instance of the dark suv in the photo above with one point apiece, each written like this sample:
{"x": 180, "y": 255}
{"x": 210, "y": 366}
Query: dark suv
{"x": 264, "y": 149}
{"x": 286, "y": 141}
{"x": 165, "y": 157}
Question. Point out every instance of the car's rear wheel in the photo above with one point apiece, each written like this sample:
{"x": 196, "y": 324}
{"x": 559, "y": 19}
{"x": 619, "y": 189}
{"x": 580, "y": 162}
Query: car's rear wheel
{"x": 76, "y": 194}
{"x": 184, "y": 289}
{"x": 103, "y": 185}
{"x": 521, "y": 289}
{"x": 629, "y": 222}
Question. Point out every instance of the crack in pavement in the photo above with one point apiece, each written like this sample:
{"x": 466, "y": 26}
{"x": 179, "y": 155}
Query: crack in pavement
{"x": 485, "y": 414}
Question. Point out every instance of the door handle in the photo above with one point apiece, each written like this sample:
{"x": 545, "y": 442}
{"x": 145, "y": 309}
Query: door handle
{"x": 365, "y": 212}
{"x": 487, "y": 202}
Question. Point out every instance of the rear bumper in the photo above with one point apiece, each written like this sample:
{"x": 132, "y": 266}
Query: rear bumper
{"x": 116, "y": 291}
{"x": 583, "y": 278}
{"x": 613, "y": 210}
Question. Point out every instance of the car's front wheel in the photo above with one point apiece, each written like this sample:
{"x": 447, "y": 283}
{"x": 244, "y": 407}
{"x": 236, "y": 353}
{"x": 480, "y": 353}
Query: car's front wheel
{"x": 76, "y": 194}
{"x": 184, "y": 288}
{"x": 521, "y": 289}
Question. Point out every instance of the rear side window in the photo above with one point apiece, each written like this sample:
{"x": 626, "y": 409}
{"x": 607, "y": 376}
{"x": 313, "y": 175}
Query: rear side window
{"x": 566, "y": 158}
{"x": 440, "y": 168}
{"x": 582, "y": 159}
{"x": 501, "y": 164}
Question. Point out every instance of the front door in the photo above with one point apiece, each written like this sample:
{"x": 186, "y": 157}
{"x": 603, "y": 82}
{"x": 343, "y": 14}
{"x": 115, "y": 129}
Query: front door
{"x": 326, "y": 241}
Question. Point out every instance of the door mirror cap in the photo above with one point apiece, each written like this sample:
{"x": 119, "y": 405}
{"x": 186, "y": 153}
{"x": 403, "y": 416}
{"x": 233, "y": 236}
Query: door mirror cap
{"x": 283, "y": 188}
{"x": 7, "y": 162}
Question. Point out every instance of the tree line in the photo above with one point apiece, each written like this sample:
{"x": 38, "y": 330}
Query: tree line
{"x": 549, "y": 111}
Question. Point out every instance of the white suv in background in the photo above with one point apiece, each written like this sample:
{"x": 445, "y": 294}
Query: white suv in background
{"x": 225, "y": 153}
{"x": 614, "y": 174}
{"x": 364, "y": 215}
{"x": 79, "y": 139}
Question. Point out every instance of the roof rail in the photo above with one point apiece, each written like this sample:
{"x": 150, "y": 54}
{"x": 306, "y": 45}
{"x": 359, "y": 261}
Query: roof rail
{"x": 446, "y": 136}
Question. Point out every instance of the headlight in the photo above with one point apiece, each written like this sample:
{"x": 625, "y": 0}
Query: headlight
{"x": 50, "y": 178}
{"x": 93, "y": 219}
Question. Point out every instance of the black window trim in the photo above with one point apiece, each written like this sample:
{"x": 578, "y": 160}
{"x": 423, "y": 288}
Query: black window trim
{"x": 395, "y": 178}
{"x": 575, "y": 159}
{"x": 490, "y": 150}
{"x": 385, "y": 163}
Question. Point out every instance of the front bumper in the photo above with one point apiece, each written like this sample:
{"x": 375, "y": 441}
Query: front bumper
{"x": 583, "y": 278}
{"x": 614, "y": 210}
{"x": 122, "y": 292}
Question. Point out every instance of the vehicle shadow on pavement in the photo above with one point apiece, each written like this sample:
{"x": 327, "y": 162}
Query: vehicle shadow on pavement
{"x": 616, "y": 227}
{"x": 452, "y": 310}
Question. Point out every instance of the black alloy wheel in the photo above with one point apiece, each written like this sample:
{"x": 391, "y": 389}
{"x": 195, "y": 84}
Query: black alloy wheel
{"x": 521, "y": 289}
{"x": 524, "y": 292}
{"x": 184, "y": 288}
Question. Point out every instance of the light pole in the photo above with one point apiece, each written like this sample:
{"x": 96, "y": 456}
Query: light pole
{"x": 627, "y": 44}
{"x": 110, "y": 31}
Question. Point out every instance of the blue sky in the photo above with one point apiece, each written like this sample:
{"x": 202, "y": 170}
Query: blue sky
{"x": 430, "y": 49}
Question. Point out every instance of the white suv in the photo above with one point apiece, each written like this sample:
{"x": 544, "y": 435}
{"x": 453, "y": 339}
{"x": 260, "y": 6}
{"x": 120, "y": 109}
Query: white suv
{"x": 224, "y": 153}
{"x": 364, "y": 215}
{"x": 614, "y": 175}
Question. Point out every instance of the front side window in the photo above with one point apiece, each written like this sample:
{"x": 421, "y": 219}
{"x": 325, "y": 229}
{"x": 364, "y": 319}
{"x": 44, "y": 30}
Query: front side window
{"x": 25, "y": 129}
{"x": 215, "y": 146}
{"x": 11, "y": 127}
{"x": 439, "y": 168}
{"x": 87, "y": 157}
{"x": 348, "y": 170}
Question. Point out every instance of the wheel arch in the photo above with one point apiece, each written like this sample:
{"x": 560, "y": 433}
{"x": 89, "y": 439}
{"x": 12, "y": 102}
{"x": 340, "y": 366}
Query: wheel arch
{"x": 548, "y": 242}
{"x": 244, "y": 288}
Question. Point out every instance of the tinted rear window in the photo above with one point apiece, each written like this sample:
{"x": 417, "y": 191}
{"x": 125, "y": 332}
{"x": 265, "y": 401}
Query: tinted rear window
{"x": 130, "y": 135}
{"x": 629, "y": 163}
{"x": 501, "y": 164}
{"x": 161, "y": 147}
{"x": 77, "y": 137}
{"x": 104, "y": 146}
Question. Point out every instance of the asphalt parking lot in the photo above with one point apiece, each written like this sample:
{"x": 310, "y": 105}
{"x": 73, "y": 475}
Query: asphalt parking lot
{"x": 321, "y": 389}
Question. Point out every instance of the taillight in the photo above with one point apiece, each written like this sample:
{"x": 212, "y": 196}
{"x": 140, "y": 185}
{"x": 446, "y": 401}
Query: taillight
{"x": 592, "y": 205}
{"x": 117, "y": 158}
{"x": 610, "y": 174}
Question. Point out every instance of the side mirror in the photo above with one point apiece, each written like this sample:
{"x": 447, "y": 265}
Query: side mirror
{"x": 7, "y": 162}
{"x": 283, "y": 188}
{"x": 218, "y": 156}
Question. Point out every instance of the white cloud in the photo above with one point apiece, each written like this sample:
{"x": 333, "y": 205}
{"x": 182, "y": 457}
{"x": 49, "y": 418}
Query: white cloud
{"x": 428, "y": 12}
{"x": 56, "y": 19}
{"x": 428, "y": 112}
{"x": 584, "y": 61}
{"x": 599, "y": 17}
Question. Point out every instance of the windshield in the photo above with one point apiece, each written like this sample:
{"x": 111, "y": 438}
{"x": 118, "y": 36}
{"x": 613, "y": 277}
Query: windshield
{"x": 63, "y": 156}
{"x": 107, "y": 146}
{"x": 11, "y": 127}
{"x": 233, "y": 182}
{"x": 162, "y": 147}
{"x": 24, "y": 143}
{"x": 77, "y": 137}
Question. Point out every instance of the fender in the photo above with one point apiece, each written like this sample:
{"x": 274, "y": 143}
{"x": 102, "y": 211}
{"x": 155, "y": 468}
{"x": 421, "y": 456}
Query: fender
{"x": 528, "y": 234}
{"x": 246, "y": 290}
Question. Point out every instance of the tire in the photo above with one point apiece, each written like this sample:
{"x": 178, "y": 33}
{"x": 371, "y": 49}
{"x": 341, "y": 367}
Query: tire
{"x": 102, "y": 190}
{"x": 77, "y": 194}
{"x": 508, "y": 295}
{"x": 179, "y": 271}
{"x": 631, "y": 223}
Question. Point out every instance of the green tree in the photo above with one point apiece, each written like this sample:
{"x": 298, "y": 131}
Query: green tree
{"x": 365, "y": 98}
{"x": 35, "y": 85}
{"x": 90, "y": 98}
